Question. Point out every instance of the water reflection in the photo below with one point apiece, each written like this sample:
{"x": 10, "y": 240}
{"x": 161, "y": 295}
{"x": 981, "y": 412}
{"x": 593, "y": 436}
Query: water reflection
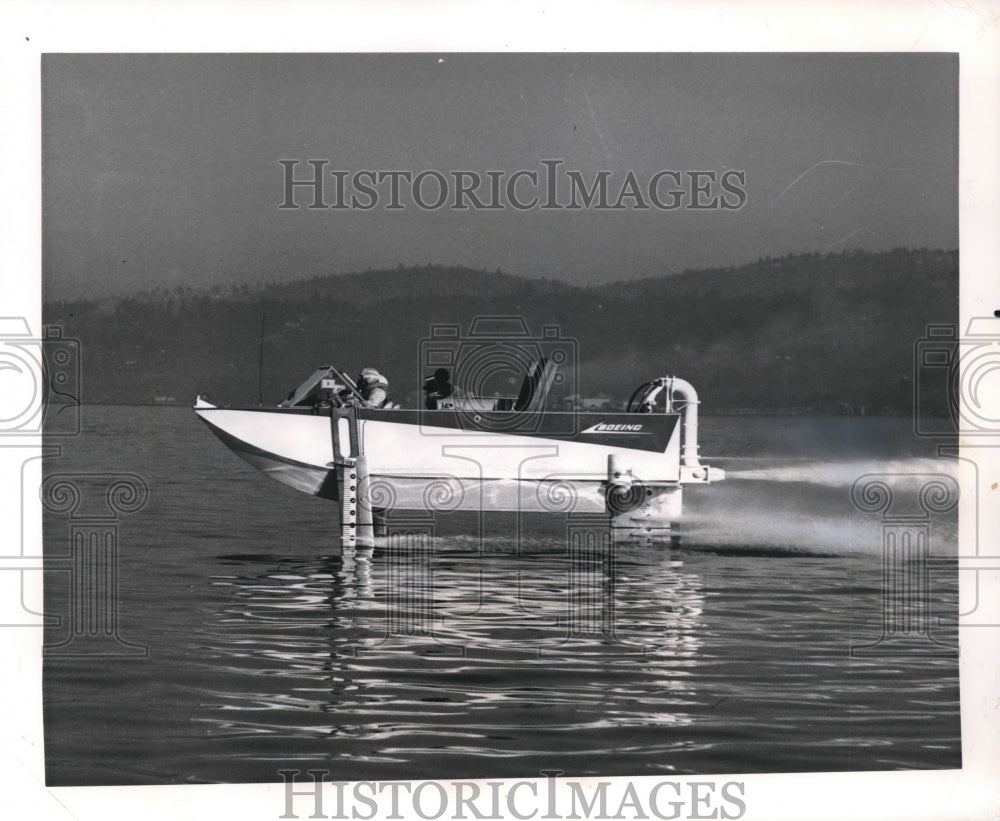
{"x": 423, "y": 645}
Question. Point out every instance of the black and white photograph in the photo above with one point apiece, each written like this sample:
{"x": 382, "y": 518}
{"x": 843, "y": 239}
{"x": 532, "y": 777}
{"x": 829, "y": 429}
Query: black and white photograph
{"x": 504, "y": 433}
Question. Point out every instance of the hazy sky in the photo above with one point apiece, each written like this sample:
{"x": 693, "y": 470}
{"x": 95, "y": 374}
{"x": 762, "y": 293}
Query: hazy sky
{"x": 161, "y": 170}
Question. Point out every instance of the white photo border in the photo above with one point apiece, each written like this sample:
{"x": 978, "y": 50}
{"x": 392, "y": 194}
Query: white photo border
{"x": 972, "y": 29}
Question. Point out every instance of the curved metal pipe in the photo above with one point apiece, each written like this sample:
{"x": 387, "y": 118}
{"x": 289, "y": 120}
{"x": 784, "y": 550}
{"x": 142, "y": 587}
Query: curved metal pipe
{"x": 689, "y": 422}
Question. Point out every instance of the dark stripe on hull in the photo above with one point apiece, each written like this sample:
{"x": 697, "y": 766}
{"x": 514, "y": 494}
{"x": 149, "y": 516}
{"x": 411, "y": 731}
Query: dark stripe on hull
{"x": 646, "y": 432}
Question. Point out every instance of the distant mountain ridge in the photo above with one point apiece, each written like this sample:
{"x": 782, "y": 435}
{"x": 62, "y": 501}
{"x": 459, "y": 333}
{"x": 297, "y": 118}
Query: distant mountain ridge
{"x": 364, "y": 288}
{"x": 824, "y": 333}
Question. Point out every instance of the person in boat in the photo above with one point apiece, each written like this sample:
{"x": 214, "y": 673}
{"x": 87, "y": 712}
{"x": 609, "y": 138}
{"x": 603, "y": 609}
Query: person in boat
{"x": 437, "y": 387}
{"x": 374, "y": 388}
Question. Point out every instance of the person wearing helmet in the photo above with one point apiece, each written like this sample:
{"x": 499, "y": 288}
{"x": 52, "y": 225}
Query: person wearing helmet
{"x": 373, "y": 387}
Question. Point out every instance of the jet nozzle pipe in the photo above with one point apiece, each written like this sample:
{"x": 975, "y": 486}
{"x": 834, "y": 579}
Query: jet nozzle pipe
{"x": 689, "y": 422}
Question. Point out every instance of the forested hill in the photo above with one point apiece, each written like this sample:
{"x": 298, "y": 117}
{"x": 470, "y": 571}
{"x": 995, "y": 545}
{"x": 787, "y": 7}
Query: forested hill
{"x": 824, "y": 333}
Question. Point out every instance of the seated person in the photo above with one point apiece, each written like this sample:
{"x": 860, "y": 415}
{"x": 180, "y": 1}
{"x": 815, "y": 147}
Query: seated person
{"x": 437, "y": 387}
{"x": 373, "y": 387}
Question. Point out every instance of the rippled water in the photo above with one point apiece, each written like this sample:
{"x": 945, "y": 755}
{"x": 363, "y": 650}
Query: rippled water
{"x": 499, "y": 646}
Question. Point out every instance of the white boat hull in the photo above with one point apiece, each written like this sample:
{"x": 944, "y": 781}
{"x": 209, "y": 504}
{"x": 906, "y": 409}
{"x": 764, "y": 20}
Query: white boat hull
{"x": 445, "y": 460}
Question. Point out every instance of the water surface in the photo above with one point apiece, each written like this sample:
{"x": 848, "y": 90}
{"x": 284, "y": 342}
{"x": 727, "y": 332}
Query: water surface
{"x": 500, "y": 646}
